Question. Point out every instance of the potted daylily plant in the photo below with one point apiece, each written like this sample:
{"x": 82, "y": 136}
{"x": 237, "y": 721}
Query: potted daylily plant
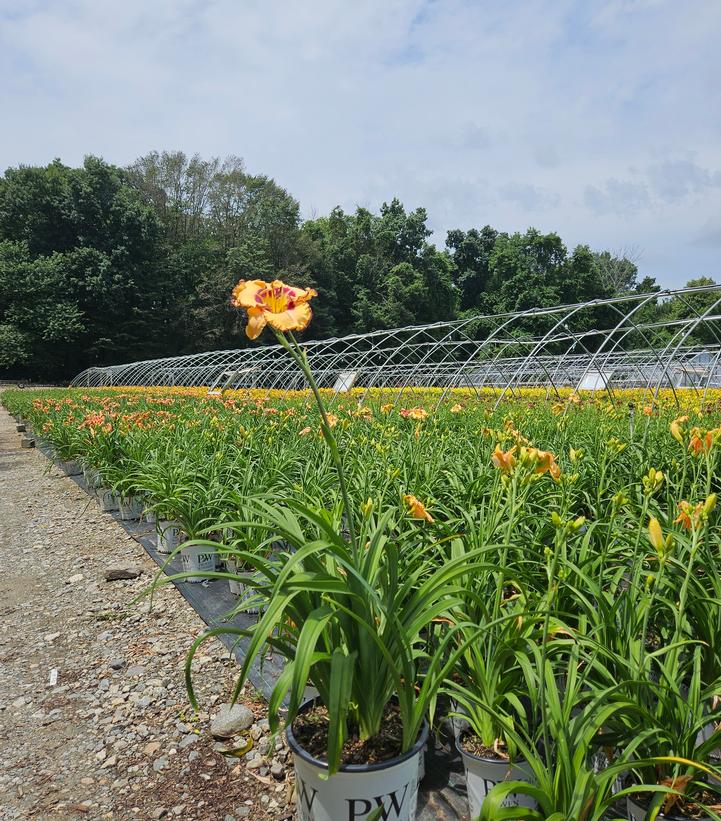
{"x": 348, "y": 608}
{"x": 494, "y": 671}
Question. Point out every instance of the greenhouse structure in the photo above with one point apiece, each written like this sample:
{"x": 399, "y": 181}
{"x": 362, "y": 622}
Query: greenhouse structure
{"x": 668, "y": 339}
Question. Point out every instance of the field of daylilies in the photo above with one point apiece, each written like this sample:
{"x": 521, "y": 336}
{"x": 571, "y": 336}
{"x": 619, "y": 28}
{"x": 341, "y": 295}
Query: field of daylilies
{"x": 547, "y": 571}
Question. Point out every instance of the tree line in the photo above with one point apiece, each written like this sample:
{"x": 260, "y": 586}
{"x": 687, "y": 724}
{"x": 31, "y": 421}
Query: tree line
{"x": 102, "y": 264}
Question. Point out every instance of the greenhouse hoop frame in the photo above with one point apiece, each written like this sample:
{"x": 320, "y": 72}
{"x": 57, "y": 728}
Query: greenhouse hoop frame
{"x": 600, "y": 345}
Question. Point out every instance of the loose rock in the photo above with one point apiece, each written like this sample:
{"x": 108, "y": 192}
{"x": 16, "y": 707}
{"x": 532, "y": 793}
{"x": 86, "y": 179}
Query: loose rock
{"x": 114, "y": 574}
{"x": 231, "y": 720}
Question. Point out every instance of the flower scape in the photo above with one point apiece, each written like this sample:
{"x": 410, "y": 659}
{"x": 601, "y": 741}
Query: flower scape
{"x": 550, "y": 568}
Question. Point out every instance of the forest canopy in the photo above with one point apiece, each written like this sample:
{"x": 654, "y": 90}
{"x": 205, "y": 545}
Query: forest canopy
{"x": 102, "y": 264}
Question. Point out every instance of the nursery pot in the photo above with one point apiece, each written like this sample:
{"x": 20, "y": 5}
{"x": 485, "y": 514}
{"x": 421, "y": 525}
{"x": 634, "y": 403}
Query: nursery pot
{"x": 131, "y": 508}
{"x": 356, "y": 789}
{"x": 482, "y": 775}
{"x": 149, "y": 516}
{"x": 168, "y": 536}
{"x": 197, "y": 558}
{"x": 636, "y": 812}
{"x": 108, "y": 499}
{"x": 243, "y": 591}
{"x": 92, "y": 478}
{"x": 70, "y": 467}
{"x": 236, "y": 588}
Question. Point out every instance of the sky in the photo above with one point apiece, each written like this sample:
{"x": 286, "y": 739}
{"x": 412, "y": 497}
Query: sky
{"x": 597, "y": 119}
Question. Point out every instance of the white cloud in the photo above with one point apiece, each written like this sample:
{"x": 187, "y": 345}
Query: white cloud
{"x": 599, "y": 120}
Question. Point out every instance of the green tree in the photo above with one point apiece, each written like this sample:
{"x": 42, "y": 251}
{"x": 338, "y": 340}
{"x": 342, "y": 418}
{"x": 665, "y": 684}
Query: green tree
{"x": 470, "y": 253}
{"x": 79, "y": 260}
{"x": 379, "y": 270}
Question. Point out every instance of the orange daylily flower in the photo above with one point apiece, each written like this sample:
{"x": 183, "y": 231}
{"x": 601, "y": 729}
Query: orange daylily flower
{"x": 701, "y": 441}
{"x": 505, "y": 462}
{"x": 689, "y": 516}
{"x": 418, "y": 414}
{"x": 547, "y": 463}
{"x": 542, "y": 461}
{"x": 281, "y": 306}
{"x": 692, "y": 517}
{"x": 417, "y": 509}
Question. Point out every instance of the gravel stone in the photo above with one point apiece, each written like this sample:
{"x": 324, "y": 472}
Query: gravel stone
{"x": 160, "y": 763}
{"x": 95, "y": 725}
{"x": 123, "y": 572}
{"x": 231, "y": 720}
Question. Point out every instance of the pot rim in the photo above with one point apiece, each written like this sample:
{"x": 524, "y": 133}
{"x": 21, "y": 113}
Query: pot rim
{"x": 510, "y": 762}
{"x": 353, "y": 768}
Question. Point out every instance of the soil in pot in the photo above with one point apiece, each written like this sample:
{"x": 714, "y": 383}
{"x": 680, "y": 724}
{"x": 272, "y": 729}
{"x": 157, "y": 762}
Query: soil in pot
{"x": 311, "y": 732}
{"x": 680, "y": 811}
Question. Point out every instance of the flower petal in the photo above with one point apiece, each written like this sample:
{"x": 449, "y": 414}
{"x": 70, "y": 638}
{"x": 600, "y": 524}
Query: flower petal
{"x": 246, "y": 291}
{"x": 295, "y": 319}
{"x": 256, "y": 322}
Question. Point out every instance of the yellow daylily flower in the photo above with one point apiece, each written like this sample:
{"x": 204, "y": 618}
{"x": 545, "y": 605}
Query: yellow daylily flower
{"x": 676, "y": 429}
{"x": 281, "y": 306}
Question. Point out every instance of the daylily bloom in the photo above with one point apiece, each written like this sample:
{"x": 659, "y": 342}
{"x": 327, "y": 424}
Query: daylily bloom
{"x": 304, "y": 432}
{"x": 692, "y": 517}
{"x": 542, "y": 461}
{"x": 676, "y": 430}
{"x": 689, "y": 516}
{"x": 546, "y": 463}
{"x": 456, "y": 408}
{"x": 418, "y": 414}
{"x": 505, "y": 462}
{"x": 417, "y": 509}
{"x": 281, "y": 306}
{"x": 701, "y": 441}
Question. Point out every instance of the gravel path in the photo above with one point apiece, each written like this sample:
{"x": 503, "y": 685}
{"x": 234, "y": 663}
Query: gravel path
{"x": 94, "y": 719}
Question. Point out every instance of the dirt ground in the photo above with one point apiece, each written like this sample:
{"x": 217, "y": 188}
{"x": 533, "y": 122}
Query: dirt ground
{"x": 94, "y": 718}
